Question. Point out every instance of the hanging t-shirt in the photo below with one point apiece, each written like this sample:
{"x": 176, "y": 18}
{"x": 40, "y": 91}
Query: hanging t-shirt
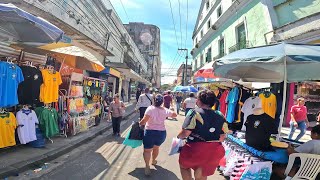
{"x": 269, "y": 104}
{"x": 223, "y": 104}
{"x": 232, "y": 101}
{"x": 48, "y": 121}
{"x": 10, "y": 77}
{"x": 258, "y": 131}
{"x": 49, "y": 90}
{"x": 8, "y": 124}
{"x": 249, "y": 106}
{"x": 27, "y": 132}
{"x": 29, "y": 89}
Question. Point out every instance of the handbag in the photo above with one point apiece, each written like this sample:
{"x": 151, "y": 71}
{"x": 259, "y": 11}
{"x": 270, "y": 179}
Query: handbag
{"x": 136, "y": 133}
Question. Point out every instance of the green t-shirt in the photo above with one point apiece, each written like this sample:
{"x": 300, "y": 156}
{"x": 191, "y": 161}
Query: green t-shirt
{"x": 48, "y": 121}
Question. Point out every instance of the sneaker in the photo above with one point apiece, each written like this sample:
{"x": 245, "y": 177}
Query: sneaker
{"x": 119, "y": 134}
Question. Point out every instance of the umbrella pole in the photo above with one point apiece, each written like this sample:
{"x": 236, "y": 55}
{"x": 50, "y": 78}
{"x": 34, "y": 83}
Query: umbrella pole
{"x": 284, "y": 100}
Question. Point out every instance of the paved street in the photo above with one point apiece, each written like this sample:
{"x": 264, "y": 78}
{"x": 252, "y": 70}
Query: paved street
{"x": 106, "y": 158}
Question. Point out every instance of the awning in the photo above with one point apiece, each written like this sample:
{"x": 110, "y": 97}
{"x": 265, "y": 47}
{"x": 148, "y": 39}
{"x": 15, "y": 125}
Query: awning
{"x": 133, "y": 75}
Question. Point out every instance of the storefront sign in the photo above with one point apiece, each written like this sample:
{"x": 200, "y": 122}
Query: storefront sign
{"x": 115, "y": 72}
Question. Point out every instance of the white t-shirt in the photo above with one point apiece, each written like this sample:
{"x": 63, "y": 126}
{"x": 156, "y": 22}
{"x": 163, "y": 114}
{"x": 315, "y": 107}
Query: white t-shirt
{"x": 248, "y": 107}
{"x": 145, "y": 101}
{"x": 190, "y": 102}
{"x": 27, "y": 132}
{"x": 311, "y": 147}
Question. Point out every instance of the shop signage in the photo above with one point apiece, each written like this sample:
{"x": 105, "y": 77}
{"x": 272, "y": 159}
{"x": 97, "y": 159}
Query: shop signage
{"x": 115, "y": 72}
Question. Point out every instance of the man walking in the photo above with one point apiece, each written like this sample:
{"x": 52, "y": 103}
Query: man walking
{"x": 145, "y": 100}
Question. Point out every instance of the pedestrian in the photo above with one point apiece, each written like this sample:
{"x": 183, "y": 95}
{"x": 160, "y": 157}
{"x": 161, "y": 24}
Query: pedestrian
{"x": 299, "y": 119}
{"x": 106, "y": 103}
{"x": 178, "y": 101}
{"x": 189, "y": 103}
{"x": 145, "y": 100}
{"x": 138, "y": 93}
{"x": 155, "y": 131}
{"x": 122, "y": 94}
{"x": 116, "y": 109}
{"x": 167, "y": 100}
{"x": 204, "y": 129}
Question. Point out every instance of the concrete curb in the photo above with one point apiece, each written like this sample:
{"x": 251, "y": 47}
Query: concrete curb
{"x": 15, "y": 169}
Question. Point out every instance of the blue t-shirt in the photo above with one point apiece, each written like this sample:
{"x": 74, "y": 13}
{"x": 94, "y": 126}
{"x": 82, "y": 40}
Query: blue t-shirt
{"x": 10, "y": 77}
{"x": 232, "y": 101}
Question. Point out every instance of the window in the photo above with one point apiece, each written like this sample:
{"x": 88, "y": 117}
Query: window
{"x": 208, "y": 57}
{"x": 201, "y": 33}
{"x": 221, "y": 47}
{"x": 241, "y": 36}
{"x": 207, "y": 4}
{"x": 201, "y": 60}
{"x": 209, "y": 24}
{"x": 219, "y": 11}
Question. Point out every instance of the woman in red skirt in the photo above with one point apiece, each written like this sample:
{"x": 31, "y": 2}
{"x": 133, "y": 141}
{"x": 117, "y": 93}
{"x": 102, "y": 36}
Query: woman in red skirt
{"x": 204, "y": 129}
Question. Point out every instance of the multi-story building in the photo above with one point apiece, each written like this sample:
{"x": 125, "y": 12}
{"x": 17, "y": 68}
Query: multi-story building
{"x": 147, "y": 38}
{"x": 94, "y": 26}
{"x": 181, "y": 75}
{"x": 229, "y": 25}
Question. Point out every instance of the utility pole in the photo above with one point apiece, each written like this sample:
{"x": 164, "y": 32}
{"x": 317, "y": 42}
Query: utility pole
{"x": 186, "y": 67}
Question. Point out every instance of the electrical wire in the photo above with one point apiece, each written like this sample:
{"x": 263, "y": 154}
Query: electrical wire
{"x": 174, "y": 24}
{"x": 125, "y": 10}
{"x": 180, "y": 23}
{"x": 187, "y": 25}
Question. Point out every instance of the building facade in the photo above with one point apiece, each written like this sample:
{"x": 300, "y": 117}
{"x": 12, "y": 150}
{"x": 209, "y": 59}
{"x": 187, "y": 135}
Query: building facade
{"x": 147, "y": 38}
{"x": 95, "y": 27}
{"x": 229, "y": 25}
{"x": 181, "y": 75}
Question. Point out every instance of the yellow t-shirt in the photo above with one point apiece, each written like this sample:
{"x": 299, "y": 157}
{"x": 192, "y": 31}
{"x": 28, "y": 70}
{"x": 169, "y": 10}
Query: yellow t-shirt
{"x": 49, "y": 90}
{"x": 8, "y": 124}
{"x": 269, "y": 104}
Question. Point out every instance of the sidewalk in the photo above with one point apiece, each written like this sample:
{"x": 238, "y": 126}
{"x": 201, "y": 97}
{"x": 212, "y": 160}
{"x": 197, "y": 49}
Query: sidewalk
{"x": 286, "y": 130}
{"x": 23, "y": 157}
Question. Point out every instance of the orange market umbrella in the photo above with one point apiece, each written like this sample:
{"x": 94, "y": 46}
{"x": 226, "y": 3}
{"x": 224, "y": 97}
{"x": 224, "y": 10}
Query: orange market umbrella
{"x": 78, "y": 58}
{"x": 70, "y": 55}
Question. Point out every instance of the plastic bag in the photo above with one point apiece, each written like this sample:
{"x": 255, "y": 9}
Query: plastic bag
{"x": 175, "y": 146}
{"x": 136, "y": 132}
{"x": 130, "y": 142}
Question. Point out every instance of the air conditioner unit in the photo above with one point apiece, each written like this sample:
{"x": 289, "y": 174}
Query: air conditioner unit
{"x": 213, "y": 27}
{"x": 197, "y": 45}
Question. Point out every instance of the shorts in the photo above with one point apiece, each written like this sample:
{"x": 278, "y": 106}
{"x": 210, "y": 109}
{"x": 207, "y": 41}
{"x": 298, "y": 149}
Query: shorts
{"x": 153, "y": 138}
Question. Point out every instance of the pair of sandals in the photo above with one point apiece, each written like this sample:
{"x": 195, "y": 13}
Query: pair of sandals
{"x": 147, "y": 170}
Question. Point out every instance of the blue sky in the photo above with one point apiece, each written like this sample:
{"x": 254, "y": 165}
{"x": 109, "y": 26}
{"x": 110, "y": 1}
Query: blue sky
{"x": 158, "y": 12}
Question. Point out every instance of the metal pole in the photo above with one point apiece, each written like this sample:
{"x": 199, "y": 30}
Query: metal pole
{"x": 186, "y": 67}
{"x": 186, "y": 73}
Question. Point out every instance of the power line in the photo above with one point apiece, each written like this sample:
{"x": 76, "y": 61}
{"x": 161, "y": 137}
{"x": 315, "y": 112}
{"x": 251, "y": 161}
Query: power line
{"x": 180, "y": 22}
{"x": 174, "y": 24}
{"x": 125, "y": 10}
{"x": 187, "y": 25}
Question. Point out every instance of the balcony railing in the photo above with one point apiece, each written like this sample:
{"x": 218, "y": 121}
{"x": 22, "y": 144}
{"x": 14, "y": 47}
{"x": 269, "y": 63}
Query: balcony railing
{"x": 238, "y": 46}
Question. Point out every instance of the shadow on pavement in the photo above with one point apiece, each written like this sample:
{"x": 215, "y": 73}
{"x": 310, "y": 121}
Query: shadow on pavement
{"x": 159, "y": 174}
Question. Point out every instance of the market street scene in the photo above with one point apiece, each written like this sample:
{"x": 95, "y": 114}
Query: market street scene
{"x": 161, "y": 90}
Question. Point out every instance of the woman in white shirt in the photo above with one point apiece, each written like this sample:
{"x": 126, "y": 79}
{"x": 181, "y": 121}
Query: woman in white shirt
{"x": 189, "y": 103}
